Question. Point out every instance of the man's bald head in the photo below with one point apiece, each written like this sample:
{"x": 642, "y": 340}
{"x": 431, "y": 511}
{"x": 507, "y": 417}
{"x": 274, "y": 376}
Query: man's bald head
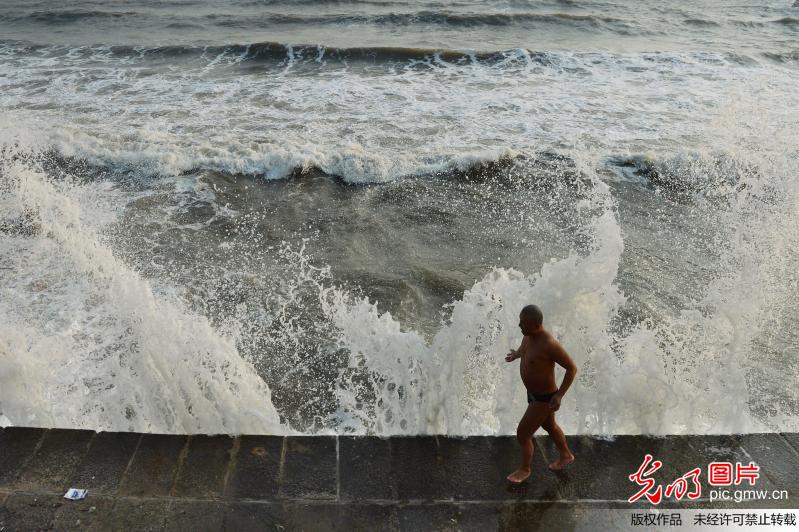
{"x": 533, "y": 315}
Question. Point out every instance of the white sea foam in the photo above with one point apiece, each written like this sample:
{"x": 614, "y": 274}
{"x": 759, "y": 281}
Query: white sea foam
{"x": 87, "y": 342}
{"x": 685, "y": 375}
{"x": 369, "y": 124}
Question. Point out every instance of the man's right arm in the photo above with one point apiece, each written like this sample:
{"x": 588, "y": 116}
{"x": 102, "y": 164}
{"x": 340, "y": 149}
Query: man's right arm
{"x": 516, "y": 353}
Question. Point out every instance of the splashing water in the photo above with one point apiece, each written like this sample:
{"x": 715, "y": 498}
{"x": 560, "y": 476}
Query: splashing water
{"x": 686, "y": 375}
{"x": 106, "y": 349}
{"x": 205, "y": 237}
{"x": 103, "y": 349}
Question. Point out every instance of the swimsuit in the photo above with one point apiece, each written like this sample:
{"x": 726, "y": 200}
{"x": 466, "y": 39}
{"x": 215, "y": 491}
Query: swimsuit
{"x": 540, "y": 397}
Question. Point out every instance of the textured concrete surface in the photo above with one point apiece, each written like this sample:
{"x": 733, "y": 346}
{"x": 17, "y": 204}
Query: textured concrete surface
{"x": 164, "y": 482}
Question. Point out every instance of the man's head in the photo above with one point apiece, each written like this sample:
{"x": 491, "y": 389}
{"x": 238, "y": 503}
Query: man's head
{"x": 531, "y": 319}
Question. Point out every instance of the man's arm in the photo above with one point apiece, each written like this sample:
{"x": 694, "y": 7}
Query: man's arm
{"x": 513, "y": 355}
{"x": 563, "y": 359}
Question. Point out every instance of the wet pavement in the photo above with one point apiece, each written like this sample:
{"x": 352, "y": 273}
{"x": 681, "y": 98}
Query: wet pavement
{"x": 167, "y": 482}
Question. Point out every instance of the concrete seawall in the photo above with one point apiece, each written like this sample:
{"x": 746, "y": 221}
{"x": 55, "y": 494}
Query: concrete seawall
{"x": 156, "y": 482}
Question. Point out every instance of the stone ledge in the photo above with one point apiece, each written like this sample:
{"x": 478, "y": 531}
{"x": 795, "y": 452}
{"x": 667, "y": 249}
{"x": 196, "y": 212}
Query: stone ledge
{"x": 330, "y": 482}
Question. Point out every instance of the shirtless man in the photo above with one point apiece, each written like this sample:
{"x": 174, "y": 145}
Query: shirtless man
{"x": 539, "y": 353}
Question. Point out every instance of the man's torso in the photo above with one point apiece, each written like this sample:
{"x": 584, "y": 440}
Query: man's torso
{"x": 537, "y": 367}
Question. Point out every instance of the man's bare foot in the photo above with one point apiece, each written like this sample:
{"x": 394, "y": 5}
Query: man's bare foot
{"x": 563, "y": 462}
{"x": 519, "y": 476}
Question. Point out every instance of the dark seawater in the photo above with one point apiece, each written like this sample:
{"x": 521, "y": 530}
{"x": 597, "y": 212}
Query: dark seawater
{"x": 324, "y": 216}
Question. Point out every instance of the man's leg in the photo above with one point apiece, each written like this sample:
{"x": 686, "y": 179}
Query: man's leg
{"x": 566, "y": 456}
{"x": 536, "y": 413}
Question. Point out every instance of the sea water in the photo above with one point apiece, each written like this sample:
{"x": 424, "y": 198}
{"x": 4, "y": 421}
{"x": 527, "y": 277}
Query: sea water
{"x": 324, "y": 216}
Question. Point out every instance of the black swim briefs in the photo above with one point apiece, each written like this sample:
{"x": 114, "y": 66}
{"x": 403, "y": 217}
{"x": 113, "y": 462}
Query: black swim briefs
{"x": 540, "y": 397}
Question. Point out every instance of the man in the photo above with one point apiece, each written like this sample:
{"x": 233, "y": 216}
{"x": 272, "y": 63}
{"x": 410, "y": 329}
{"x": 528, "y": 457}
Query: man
{"x": 539, "y": 352}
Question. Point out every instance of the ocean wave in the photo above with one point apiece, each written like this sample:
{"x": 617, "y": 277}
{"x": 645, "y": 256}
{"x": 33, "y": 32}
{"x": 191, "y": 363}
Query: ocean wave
{"x": 262, "y": 3}
{"x": 539, "y": 169}
{"x": 436, "y": 18}
{"x": 348, "y": 166}
{"x": 424, "y": 17}
{"x": 682, "y": 177}
{"x": 88, "y": 280}
{"x": 790, "y": 22}
{"x": 786, "y": 57}
{"x": 68, "y": 16}
{"x": 105, "y": 299}
{"x": 701, "y": 22}
{"x": 269, "y": 52}
{"x": 686, "y": 176}
{"x": 287, "y": 53}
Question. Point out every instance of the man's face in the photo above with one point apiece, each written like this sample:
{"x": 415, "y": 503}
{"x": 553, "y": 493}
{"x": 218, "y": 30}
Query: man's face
{"x": 524, "y": 325}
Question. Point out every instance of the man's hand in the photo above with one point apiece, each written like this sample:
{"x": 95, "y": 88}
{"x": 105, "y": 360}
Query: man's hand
{"x": 554, "y": 403}
{"x": 513, "y": 355}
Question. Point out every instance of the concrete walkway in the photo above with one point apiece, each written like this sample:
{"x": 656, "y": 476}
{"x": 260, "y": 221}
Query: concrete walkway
{"x": 156, "y": 482}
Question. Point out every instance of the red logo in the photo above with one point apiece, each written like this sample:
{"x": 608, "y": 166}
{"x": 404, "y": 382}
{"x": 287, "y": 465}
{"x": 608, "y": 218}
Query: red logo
{"x": 648, "y": 483}
{"x": 721, "y": 473}
{"x": 718, "y": 473}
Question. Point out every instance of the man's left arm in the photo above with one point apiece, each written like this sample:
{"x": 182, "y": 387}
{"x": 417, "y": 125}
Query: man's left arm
{"x": 563, "y": 359}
